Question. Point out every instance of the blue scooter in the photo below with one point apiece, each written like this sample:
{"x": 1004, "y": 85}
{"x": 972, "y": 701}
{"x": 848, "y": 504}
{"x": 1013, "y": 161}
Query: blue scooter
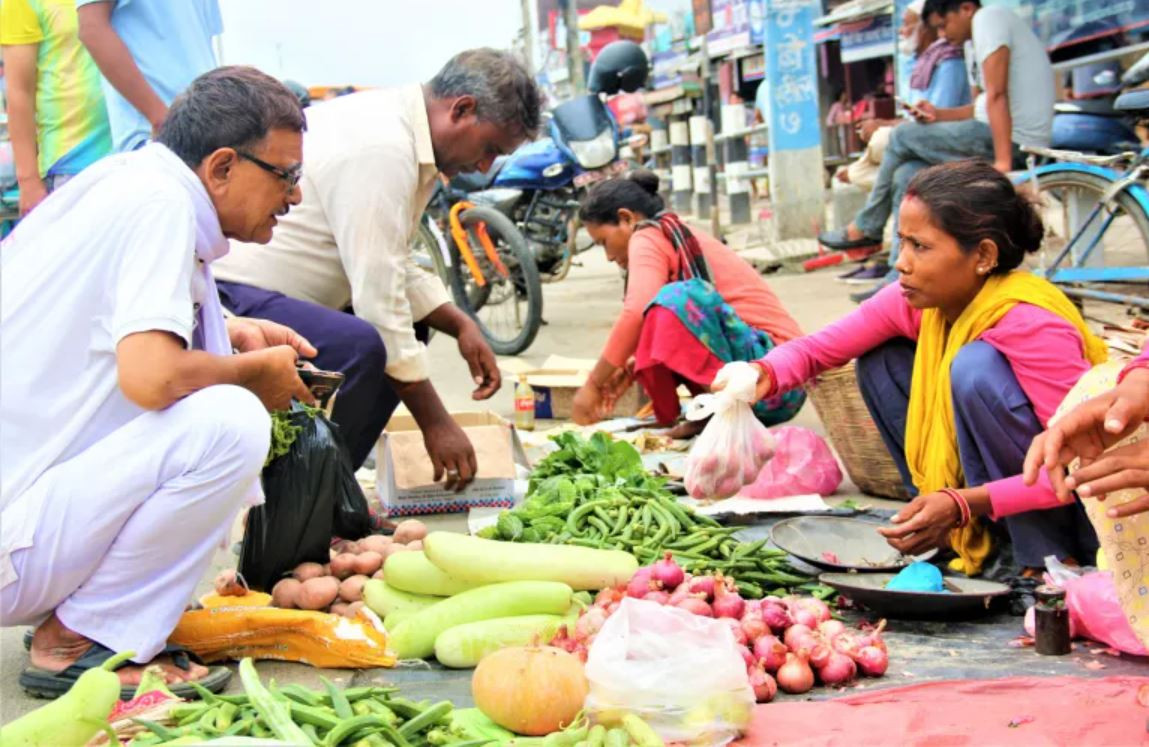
{"x": 539, "y": 185}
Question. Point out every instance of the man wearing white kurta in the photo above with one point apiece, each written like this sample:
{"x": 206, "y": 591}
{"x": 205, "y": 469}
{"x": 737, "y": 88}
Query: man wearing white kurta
{"x": 131, "y": 435}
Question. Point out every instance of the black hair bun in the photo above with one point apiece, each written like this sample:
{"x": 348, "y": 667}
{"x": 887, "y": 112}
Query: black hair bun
{"x": 644, "y": 178}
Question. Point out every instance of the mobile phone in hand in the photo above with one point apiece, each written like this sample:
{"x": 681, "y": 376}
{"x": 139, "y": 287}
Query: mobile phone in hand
{"x": 914, "y": 111}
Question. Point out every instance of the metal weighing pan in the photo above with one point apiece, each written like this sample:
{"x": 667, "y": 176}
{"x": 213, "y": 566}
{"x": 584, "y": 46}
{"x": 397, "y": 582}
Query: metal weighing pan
{"x": 835, "y": 543}
{"x": 966, "y": 597}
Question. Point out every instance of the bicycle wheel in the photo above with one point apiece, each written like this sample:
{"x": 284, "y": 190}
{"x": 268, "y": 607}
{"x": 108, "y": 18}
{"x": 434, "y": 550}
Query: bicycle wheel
{"x": 508, "y": 309}
{"x": 1067, "y": 199}
{"x": 427, "y": 251}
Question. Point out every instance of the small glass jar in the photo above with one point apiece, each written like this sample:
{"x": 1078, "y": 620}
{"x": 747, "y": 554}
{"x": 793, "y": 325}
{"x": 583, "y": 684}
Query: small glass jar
{"x": 1051, "y": 622}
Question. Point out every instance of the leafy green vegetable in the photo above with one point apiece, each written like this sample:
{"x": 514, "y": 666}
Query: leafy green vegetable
{"x": 286, "y": 425}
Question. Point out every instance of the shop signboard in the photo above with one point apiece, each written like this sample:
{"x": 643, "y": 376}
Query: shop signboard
{"x": 793, "y": 75}
{"x": 756, "y": 11}
{"x": 731, "y": 26}
{"x": 868, "y": 38}
{"x": 1054, "y": 20}
{"x": 666, "y": 68}
{"x": 703, "y": 21}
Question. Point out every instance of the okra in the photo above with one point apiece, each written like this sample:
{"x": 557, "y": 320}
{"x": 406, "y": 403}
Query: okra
{"x": 429, "y": 717}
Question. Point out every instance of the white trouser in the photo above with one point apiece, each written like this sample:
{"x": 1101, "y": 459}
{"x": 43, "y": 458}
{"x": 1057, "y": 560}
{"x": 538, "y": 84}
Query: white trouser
{"x": 129, "y": 526}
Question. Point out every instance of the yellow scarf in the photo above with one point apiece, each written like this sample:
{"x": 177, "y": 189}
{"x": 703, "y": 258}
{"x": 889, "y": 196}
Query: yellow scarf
{"x": 931, "y": 436}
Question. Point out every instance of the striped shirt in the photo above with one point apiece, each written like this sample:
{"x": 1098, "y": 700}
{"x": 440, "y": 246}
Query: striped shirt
{"x": 71, "y": 123}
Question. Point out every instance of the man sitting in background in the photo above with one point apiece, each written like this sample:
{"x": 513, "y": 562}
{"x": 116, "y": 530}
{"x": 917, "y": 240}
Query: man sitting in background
{"x": 372, "y": 162}
{"x": 1012, "y": 82}
{"x": 939, "y": 77}
{"x": 131, "y": 435}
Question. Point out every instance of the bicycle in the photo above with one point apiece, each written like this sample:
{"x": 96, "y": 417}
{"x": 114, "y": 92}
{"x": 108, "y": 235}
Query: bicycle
{"x": 1100, "y": 241}
{"x": 484, "y": 260}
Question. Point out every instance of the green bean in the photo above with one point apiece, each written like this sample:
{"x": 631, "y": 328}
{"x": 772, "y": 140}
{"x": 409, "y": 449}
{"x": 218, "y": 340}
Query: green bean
{"x": 165, "y": 734}
{"x": 432, "y": 715}
{"x": 338, "y": 700}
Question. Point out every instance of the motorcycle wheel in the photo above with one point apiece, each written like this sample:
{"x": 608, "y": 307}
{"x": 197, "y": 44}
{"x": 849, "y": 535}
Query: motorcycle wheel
{"x": 508, "y": 308}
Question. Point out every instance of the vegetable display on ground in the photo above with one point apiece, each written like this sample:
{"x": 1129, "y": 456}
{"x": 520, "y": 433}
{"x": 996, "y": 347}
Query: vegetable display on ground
{"x": 596, "y": 493}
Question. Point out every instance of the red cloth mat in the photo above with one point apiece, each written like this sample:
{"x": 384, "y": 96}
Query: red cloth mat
{"x": 1042, "y": 710}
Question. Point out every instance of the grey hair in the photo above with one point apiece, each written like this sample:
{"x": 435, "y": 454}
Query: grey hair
{"x": 504, "y": 91}
{"x": 229, "y": 107}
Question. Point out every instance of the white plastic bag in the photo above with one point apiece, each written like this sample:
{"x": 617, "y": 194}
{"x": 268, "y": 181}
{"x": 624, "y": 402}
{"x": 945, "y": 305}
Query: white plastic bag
{"x": 734, "y": 446}
{"x": 680, "y": 672}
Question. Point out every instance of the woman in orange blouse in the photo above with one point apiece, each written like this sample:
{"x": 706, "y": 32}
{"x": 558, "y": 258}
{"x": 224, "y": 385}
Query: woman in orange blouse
{"x": 691, "y": 306}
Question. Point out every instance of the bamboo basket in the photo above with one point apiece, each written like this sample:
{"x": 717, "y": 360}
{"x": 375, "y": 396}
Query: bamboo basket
{"x": 852, "y": 431}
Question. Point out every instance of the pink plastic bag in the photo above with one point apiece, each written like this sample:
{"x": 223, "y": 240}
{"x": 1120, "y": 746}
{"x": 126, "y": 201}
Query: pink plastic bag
{"x": 1094, "y": 611}
{"x": 803, "y": 464}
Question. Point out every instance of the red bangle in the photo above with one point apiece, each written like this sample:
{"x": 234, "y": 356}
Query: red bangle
{"x": 964, "y": 513}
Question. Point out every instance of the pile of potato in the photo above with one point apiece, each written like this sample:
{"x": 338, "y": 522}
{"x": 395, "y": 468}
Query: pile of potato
{"x": 337, "y": 586}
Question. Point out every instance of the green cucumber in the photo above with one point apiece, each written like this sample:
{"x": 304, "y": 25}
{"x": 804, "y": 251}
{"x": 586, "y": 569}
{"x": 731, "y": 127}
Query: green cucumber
{"x": 414, "y": 573}
{"x": 414, "y": 638}
{"x": 485, "y": 561}
{"x": 384, "y": 599}
{"x": 462, "y": 646}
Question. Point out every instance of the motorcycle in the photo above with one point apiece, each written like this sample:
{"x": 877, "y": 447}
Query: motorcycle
{"x": 1089, "y": 123}
{"x": 539, "y": 185}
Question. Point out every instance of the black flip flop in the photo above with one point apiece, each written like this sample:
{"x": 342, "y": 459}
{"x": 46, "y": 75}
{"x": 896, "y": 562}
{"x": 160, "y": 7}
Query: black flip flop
{"x": 41, "y": 683}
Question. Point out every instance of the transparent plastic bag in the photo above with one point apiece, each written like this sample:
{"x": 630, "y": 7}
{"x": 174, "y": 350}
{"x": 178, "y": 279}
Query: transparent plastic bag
{"x": 1094, "y": 610}
{"x": 734, "y": 446}
{"x": 802, "y": 465}
{"x": 680, "y": 672}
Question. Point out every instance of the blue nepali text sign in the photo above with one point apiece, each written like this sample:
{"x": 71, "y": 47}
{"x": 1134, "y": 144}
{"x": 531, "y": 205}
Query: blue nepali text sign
{"x": 792, "y": 71}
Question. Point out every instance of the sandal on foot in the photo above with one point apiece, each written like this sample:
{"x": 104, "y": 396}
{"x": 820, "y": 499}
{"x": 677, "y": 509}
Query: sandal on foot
{"x": 41, "y": 683}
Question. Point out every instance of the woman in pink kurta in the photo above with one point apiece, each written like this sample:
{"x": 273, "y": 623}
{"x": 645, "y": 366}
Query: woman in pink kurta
{"x": 691, "y": 306}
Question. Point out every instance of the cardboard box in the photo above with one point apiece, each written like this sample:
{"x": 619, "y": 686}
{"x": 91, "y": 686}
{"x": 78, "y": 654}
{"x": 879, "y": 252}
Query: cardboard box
{"x": 556, "y": 382}
{"x": 405, "y": 475}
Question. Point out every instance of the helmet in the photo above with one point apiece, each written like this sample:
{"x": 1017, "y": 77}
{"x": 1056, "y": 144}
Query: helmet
{"x": 620, "y": 66}
{"x": 300, "y": 92}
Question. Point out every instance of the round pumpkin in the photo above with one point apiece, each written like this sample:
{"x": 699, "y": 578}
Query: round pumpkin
{"x": 531, "y": 690}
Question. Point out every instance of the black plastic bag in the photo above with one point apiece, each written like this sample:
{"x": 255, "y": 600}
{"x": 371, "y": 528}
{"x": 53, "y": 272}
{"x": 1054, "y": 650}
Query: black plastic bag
{"x": 311, "y": 495}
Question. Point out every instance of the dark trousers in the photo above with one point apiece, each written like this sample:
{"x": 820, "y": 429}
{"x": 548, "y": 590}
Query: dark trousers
{"x": 995, "y": 425}
{"x": 346, "y": 344}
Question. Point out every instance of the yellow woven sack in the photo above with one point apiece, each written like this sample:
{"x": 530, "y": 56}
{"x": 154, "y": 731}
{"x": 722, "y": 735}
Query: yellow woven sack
{"x": 316, "y": 638}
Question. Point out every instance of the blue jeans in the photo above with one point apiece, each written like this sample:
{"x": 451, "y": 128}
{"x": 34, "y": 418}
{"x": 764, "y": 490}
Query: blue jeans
{"x": 912, "y": 148}
{"x": 995, "y": 425}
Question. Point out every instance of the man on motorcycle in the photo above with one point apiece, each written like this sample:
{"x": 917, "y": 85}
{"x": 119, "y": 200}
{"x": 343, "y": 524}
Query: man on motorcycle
{"x": 372, "y": 160}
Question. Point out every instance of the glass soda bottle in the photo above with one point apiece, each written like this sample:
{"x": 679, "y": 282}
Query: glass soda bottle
{"x": 524, "y": 405}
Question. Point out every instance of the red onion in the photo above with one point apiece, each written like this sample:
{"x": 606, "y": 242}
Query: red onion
{"x": 748, "y": 657}
{"x": 831, "y": 628}
{"x": 681, "y": 593}
{"x": 799, "y": 637}
{"x": 727, "y": 603}
{"x": 658, "y": 597}
{"x": 815, "y": 607}
{"x": 667, "y": 572}
{"x": 804, "y": 617}
{"x": 845, "y": 642}
{"x": 736, "y": 628}
{"x": 702, "y": 585}
{"x": 873, "y": 636}
{"x": 695, "y": 605}
{"x": 771, "y": 652}
{"x": 754, "y": 627}
{"x": 590, "y": 623}
{"x": 640, "y": 583}
{"x": 753, "y": 608}
{"x": 873, "y": 661}
{"x": 837, "y": 670}
{"x": 608, "y": 596}
{"x": 795, "y": 676}
{"x": 820, "y": 654}
{"x": 776, "y": 617}
{"x": 763, "y": 685}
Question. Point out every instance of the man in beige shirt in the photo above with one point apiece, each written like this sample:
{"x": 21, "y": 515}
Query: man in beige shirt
{"x": 372, "y": 161}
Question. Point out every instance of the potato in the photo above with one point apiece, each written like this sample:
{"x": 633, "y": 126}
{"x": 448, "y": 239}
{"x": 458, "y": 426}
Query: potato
{"x": 285, "y": 594}
{"x": 228, "y": 584}
{"x": 305, "y": 571}
{"x": 326, "y": 569}
{"x": 374, "y": 543}
{"x": 343, "y": 546}
{"x": 368, "y": 562}
{"x": 339, "y": 609}
{"x": 416, "y": 545}
{"x": 409, "y": 531}
{"x": 343, "y": 565}
{"x": 378, "y": 574}
{"x": 393, "y": 548}
{"x": 351, "y": 590}
{"x": 318, "y": 593}
{"x": 353, "y": 609}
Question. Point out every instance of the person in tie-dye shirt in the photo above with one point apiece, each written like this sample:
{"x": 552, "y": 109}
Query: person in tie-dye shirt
{"x": 56, "y": 115}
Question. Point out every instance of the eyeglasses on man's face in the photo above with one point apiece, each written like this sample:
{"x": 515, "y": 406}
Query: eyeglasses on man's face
{"x": 290, "y": 177}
